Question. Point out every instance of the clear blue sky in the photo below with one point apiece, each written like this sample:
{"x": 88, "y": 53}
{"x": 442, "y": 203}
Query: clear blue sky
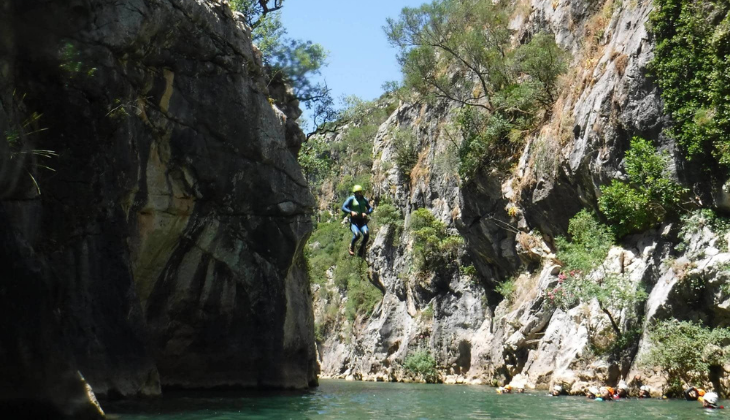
{"x": 360, "y": 58}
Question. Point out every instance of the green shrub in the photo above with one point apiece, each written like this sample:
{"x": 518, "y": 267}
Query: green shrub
{"x": 506, "y": 289}
{"x": 388, "y": 214}
{"x": 650, "y": 195}
{"x": 361, "y": 297}
{"x": 685, "y": 351}
{"x": 433, "y": 246}
{"x": 406, "y": 152}
{"x": 327, "y": 246}
{"x": 427, "y": 312}
{"x": 584, "y": 277}
{"x": 589, "y": 244}
{"x": 627, "y": 209}
{"x": 690, "y": 66}
{"x": 421, "y": 363}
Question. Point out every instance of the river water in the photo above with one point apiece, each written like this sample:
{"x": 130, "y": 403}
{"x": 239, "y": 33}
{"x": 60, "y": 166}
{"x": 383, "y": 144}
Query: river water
{"x": 367, "y": 400}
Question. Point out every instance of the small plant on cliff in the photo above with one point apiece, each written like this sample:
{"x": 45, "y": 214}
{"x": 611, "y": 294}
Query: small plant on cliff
{"x": 698, "y": 220}
{"x": 361, "y": 296}
{"x": 406, "y": 152}
{"x": 585, "y": 277}
{"x": 433, "y": 246}
{"x": 421, "y": 363}
{"x": 507, "y": 289}
{"x": 649, "y": 196}
{"x": 686, "y": 351}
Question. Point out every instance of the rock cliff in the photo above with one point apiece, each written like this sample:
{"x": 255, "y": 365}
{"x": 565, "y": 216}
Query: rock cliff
{"x": 158, "y": 212}
{"x": 509, "y": 220}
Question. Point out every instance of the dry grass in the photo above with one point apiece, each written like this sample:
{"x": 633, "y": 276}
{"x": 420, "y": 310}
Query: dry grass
{"x": 422, "y": 169}
{"x": 621, "y": 62}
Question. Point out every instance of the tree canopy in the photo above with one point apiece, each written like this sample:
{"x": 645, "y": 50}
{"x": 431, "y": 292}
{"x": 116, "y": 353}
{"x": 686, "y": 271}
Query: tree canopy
{"x": 461, "y": 51}
{"x": 293, "y": 61}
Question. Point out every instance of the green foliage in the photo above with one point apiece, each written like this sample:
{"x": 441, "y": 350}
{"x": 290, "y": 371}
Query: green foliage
{"x": 699, "y": 219}
{"x": 427, "y": 312}
{"x": 685, "y": 351}
{"x": 72, "y": 63}
{"x": 326, "y": 248}
{"x": 347, "y": 159}
{"x": 388, "y": 214}
{"x": 406, "y": 152}
{"x": 589, "y": 244}
{"x": 691, "y": 68}
{"x": 650, "y": 195}
{"x": 460, "y": 50}
{"x": 433, "y": 247}
{"x": 507, "y": 289}
{"x": 291, "y": 61}
{"x": 254, "y": 12}
{"x": 544, "y": 61}
{"x": 421, "y": 363}
{"x": 316, "y": 160}
{"x": 361, "y": 296}
{"x": 584, "y": 277}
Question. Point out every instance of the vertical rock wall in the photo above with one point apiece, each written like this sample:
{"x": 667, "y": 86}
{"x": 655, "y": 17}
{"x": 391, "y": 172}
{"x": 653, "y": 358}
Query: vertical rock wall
{"x": 174, "y": 218}
{"x": 509, "y": 220}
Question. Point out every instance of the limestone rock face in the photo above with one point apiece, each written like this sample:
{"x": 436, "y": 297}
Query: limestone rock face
{"x": 173, "y": 225}
{"x": 509, "y": 220}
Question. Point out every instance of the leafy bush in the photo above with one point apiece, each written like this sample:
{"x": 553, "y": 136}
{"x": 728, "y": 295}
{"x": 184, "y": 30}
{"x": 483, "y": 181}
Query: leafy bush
{"x": 388, "y": 214}
{"x": 315, "y": 159}
{"x": 327, "y": 246}
{"x": 421, "y": 363}
{"x": 690, "y": 65}
{"x": 685, "y": 351}
{"x": 650, "y": 195}
{"x": 433, "y": 247}
{"x": 507, "y": 289}
{"x": 589, "y": 244}
{"x": 585, "y": 278}
{"x": 361, "y": 297}
{"x": 406, "y": 154}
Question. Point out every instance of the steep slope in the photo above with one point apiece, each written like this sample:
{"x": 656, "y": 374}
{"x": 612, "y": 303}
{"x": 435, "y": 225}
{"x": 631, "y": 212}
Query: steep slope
{"x": 172, "y": 225}
{"x": 509, "y": 220}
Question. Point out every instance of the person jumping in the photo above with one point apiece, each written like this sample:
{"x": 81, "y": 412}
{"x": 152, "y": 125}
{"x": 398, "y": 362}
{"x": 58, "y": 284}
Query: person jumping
{"x": 358, "y": 208}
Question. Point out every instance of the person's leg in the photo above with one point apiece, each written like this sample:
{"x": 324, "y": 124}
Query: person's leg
{"x": 365, "y": 236}
{"x": 355, "y": 236}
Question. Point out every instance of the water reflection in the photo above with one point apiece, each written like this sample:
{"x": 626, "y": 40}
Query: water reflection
{"x": 364, "y": 400}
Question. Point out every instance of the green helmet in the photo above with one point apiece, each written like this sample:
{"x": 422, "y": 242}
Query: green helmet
{"x": 357, "y": 188}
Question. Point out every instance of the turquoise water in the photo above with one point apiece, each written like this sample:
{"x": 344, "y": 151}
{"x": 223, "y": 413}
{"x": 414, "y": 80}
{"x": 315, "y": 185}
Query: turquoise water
{"x": 368, "y": 400}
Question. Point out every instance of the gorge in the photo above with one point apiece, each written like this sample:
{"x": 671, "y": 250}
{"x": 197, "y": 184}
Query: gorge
{"x": 166, "y": 224}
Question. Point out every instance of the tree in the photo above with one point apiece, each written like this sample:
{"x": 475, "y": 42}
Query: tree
{"x": 293, "y": 62}
{"x": 585, "y": 277}
{"x": 685, "y": 351}
{"x": 255, "y": 11}
{"x": 691, "y": 68}
{"x": 649, "y": 196}
{"x": 453, "y": 49}
{"x": 461, "y": 51}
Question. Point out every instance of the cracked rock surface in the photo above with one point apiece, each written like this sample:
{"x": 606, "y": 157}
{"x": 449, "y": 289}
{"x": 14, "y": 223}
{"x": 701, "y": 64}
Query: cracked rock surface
{"x": 172, "y": 228}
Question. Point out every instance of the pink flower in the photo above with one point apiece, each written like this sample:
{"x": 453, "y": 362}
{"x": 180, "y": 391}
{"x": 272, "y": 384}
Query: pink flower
{"x": 562, "y": 276}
